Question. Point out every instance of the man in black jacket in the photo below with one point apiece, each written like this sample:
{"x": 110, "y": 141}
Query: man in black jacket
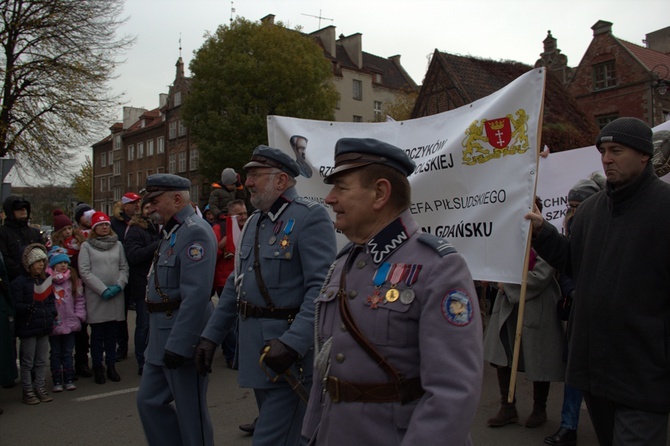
{"x": 16, "y": 233}
{"x": 140, "y": 244}
{"x": 619, "y": 257}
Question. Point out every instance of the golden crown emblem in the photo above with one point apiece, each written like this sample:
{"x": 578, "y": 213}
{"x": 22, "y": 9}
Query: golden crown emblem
{"x": 497, "y": 125}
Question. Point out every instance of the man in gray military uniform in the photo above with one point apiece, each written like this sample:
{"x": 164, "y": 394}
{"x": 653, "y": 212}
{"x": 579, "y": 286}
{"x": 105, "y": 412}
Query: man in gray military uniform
{"x": 399, "y": 334}
{"x": 285, "y": 250}
{"x": 179, "y": 290}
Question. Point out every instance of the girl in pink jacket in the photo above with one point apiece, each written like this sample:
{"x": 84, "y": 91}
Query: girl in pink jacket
{"x": 71, "y": 307}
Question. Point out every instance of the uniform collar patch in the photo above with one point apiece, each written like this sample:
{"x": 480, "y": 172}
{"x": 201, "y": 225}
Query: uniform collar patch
{"x": 278, "y": 207}
{"x": 387, "y": 240}
{"x": 457, "y": 308}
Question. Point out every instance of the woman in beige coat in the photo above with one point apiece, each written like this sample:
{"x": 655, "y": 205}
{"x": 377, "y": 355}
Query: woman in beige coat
{"x": 104, "y": 270}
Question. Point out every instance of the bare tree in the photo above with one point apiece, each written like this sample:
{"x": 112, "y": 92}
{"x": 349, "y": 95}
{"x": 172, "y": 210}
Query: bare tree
{"x": 58, "y": 57}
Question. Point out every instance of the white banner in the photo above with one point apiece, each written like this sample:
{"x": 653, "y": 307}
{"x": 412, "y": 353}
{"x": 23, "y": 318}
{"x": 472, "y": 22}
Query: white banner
{"x": 475, "y": 175}
{"x": 560, "y": 171}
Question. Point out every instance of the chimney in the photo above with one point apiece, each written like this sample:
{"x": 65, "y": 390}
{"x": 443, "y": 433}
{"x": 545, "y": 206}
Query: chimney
{"x": 353, "y": 45}
{"x": 602, "y": 27}
{"x": 268, "y": 19}
{"x": 327, "y": 36}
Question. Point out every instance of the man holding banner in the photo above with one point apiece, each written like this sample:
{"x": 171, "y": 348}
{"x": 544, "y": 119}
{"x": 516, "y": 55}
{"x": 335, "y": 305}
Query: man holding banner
{"x": 399, "y": 333}
{"x": 619, "y": 257}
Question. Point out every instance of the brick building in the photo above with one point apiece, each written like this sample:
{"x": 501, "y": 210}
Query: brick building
{"x": 617, "y": 78}
{"x": 453, "y": 81}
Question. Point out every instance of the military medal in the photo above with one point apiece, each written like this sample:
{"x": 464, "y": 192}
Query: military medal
{"x": 379, "y": 279}
{"x": 398, "y": 273}
{"x": 287, "y": 230}
{"x": 412, "y": 275}
{"x": 407, "y": 296}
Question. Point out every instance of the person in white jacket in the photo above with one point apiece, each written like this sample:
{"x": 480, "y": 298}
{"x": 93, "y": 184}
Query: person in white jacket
{"x": 104, "y": 270}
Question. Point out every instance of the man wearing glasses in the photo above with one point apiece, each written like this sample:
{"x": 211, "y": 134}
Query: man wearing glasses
{"x": 282, "y": 258}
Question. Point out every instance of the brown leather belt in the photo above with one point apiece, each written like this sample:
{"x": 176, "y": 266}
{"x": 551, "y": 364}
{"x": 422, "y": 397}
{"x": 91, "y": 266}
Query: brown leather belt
{"x": 247, "y": 309}
{"x": 402, "y": 392}
{"x": 158, "y": 307}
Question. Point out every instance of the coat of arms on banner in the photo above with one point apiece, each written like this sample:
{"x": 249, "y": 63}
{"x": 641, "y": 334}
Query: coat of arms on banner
{"x": 495, "y": 138}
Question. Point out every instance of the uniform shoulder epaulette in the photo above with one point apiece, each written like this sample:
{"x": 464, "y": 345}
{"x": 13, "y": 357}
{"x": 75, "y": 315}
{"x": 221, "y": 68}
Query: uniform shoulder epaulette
{"x": 344, "y": 250}
{"x": 306, "y": 202}
{"x": 442, "y": 246}
{"x": 190, "y": 220}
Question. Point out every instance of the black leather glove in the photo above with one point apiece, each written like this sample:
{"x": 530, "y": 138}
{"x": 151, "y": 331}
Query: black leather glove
{"x": 173, "y": 360}
{"x": 204, "y": 354}
{"x": 280, "y": 356}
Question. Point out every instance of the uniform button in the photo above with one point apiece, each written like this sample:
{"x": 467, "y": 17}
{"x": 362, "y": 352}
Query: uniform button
{"x": 339, "y": 358}
{"x": 360, "y": 264}
{"x": 330, "y": 293}
{"x": 353, "y": 294}
{"x": 244, "y": 293}
{"x": 343, "y": 328}
{"x": 263, "y": 226}
{"x": 287, "y": 255}
{"x": 276, "y": 254}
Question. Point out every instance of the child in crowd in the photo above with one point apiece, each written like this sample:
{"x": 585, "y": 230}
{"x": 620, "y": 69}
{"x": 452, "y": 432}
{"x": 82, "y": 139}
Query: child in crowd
{"x": 104, "y": 271}
{"x": 34, "y": 301}
{"x": 71, "y": 307}
{"x": 66, "y": 236}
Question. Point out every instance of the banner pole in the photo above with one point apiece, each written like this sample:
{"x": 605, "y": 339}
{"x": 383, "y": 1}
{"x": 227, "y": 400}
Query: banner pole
{"x": 524, "y": 275}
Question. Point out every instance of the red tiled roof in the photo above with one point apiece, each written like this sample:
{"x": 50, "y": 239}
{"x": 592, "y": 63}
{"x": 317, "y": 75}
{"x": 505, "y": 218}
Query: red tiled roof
{"x": 650, "y": 58}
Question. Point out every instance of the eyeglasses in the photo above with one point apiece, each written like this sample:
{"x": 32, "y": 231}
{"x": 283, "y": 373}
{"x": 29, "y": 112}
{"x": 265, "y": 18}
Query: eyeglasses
{"x": 253, "y": 176}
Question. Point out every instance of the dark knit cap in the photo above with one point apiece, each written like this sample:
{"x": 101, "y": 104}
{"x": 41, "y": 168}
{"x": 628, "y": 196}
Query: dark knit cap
{"x": 79, "y": 210}
{"x": 60, "y": 220}
{"x": 629, "y": 132}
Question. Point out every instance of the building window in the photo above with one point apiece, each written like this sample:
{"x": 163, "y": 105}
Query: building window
{"x": 131, "y": 152}
{"x": 177, "y": 98}
{"x": 358, "y": 118}
{"x": 604, "y": 75}
{"x": 150, "y": 147}
{"x": 103, "y": 159}
{"x": 378, "y": 111}
{"x": 109, "y": 183}
{"x": 160, "y": 170}
{"x": 140, "y": 150}
{"x": 604, "y": 120}
{"x": 117, "y": 142}
{"x": 378, "y": 78}
{"x": 130, "y": 181}
{"x": 172, "y": 163}
{"x": 149, "y": 172}
{"x": 195, "y": 193}
{"x": 194, "y": 159}
{"x": 117, "y": 193}
{"x": 172, "y": 130}
{"x": 182, "y": 128}
{"x": 358, "y": 89}
{"x": 103, "y": 184}
{"x": 117, "y": 167}
{"x": 160, "y": 144}
{"x": 139, "y": 180}
{"x": 182, "y": 161}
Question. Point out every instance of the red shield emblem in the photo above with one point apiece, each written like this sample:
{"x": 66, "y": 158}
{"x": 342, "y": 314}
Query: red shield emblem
{"x": 499, "y": 132}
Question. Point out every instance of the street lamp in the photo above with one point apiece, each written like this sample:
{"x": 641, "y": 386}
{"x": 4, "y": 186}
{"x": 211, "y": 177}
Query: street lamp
{"x": 659, "y": 83}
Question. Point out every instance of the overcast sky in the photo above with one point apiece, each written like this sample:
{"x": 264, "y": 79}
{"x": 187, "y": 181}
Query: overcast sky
{"x": 499, "y": 30}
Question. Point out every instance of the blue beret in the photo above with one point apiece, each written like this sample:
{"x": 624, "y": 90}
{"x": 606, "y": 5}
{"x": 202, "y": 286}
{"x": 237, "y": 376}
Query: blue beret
{"x": 265, "y": 156}
{"x": 164, "y": 182}
{"x": 351, "y": 153}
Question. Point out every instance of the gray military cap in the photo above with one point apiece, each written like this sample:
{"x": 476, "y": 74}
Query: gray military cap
{"x": 265, "y": 156}
{"x": 351, "y": 153}
{"x": 165, "y": 182}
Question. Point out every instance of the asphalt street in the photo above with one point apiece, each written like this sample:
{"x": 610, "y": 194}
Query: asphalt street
{"x": 106, "y": 415}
